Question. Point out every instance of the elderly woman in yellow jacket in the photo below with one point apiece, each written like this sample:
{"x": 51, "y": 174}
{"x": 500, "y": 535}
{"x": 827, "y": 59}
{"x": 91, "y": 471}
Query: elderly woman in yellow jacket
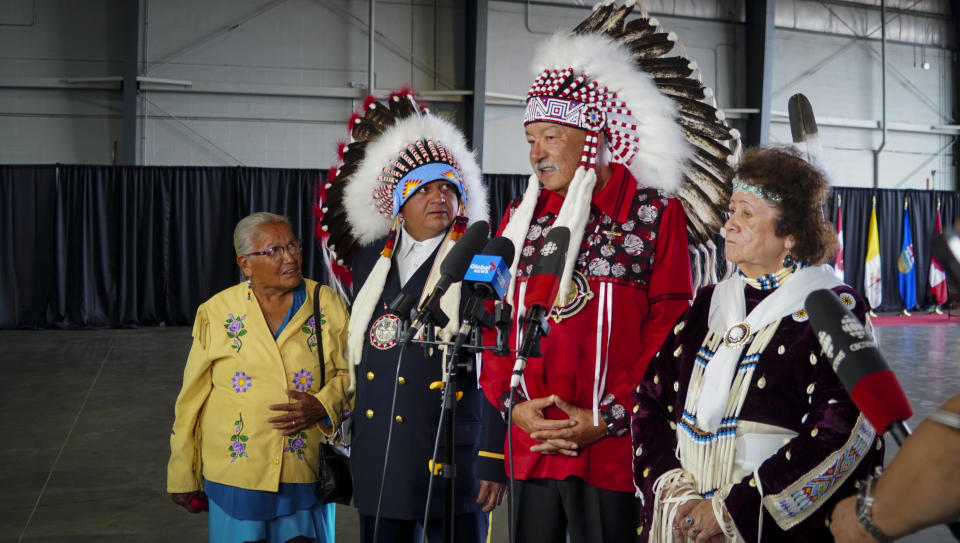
{"x": 251, "y": 414}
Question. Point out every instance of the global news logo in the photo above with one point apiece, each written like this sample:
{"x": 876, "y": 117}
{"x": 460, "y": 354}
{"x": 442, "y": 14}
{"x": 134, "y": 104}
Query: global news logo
{"x": 483, "y": 269}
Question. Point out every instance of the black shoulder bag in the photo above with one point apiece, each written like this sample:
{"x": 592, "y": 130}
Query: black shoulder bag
{"x": 334, "y": 484}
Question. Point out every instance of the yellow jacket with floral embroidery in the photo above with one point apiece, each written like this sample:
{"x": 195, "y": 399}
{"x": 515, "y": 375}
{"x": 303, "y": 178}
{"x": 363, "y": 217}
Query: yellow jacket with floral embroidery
{"x": 234, "y": 372}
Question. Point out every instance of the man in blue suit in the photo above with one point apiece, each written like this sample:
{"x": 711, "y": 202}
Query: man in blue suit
{"x": 409, "y": 189}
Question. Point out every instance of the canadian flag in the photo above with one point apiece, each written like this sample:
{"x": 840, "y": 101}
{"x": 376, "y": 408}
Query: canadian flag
{"x": 838, "y": 260}
{"x": 938, "y": 278}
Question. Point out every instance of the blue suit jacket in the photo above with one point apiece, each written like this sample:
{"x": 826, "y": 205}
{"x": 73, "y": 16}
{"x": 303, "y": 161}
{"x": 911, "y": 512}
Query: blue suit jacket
{"x": 479, "y": 429}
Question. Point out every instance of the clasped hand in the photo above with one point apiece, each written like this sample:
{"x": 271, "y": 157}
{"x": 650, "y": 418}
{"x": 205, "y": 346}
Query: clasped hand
{"x": 561, "y": 436}
{"x": 302, "y": 412}
{"x": 695, "y": 521}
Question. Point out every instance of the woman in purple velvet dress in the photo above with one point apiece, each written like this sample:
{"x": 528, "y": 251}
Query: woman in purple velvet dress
{"x": 741, "y": 429}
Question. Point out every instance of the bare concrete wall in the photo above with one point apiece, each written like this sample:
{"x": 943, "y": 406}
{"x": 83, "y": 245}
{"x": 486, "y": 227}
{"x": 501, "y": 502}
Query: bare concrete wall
{"x": 272, "y": 82}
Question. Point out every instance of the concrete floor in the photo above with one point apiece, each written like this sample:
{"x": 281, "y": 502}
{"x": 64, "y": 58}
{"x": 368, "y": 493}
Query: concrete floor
{"x": 87, "y": 415}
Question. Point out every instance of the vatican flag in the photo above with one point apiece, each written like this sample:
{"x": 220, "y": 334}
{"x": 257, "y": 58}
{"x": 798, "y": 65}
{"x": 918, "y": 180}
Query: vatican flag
{"x": 873, "y": 280}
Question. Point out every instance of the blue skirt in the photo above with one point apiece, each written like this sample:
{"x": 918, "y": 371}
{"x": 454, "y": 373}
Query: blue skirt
{"x": 316, "y": 523}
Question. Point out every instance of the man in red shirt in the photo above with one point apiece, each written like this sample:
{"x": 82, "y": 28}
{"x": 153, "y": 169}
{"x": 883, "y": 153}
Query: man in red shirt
{"x": 608, "y": 151}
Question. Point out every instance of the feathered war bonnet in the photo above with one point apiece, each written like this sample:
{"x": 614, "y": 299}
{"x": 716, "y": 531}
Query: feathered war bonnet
{"x": 611, "y": 76}
{"x": 394, "y": 149}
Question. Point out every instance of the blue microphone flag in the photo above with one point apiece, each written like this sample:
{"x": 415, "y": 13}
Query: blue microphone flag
{"x": 490, "y": 270}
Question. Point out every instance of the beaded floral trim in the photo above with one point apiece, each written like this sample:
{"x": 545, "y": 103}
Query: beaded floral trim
{"x": 310, "y": 328}
{"x": 235, "y": 330}
{"x": 241, "y": 381}
{"x": 740, "y": 185}
{"x": 238, "y": 445}
{"x": 297, "y": 444}
{"x": 302, "y": 380}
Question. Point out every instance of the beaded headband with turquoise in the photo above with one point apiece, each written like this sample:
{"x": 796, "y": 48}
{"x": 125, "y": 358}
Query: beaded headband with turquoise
{"x": 739, "y": 185}
{"x": 422, "y": 175}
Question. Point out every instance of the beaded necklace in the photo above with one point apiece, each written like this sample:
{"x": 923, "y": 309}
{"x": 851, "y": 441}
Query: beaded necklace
{"x": 771, "y": 281}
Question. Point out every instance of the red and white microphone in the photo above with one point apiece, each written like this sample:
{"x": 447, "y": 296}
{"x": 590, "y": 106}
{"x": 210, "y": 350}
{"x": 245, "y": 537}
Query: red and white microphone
{"x": 540, "y": 295}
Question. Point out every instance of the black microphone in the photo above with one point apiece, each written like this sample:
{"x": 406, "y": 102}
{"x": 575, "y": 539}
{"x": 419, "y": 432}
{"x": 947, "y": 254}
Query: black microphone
{"x": 861, "y": 368}
{"x": 451, "y": 271}
{"x": 541, "y": 294}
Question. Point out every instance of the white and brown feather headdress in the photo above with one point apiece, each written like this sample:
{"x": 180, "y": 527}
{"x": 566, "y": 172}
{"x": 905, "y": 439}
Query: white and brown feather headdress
{"x": 389, "y": 144}
{"x": 613, "y": 76}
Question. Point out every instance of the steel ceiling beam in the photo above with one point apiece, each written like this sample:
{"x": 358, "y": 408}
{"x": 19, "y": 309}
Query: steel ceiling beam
{"x": 476, "y": 74}
{"x": 759, "y": 64}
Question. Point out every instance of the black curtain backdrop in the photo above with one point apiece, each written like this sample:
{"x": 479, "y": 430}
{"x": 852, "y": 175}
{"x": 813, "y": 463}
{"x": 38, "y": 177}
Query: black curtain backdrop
{"x": 96, "y": 246}
{"x": 103, "y": 246}
{"x": 502, "y": 189}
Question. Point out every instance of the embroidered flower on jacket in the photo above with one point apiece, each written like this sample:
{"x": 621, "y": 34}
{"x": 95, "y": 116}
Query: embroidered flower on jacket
{"x": 534, "y": 232}
{"x": 235, "y": 329}
{"x": 310, "y": 328}
{"x": 238, "y": 445}
{"x": 241, "y": 381}
{"x": 647, "y": 214}
{"x": 296, "y": 443}
{"x": 598, "y": 267}
{"x": 632, "y": 244}
{"x": 302, "y": 380}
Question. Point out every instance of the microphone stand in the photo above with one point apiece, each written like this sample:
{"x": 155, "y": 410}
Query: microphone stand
{"x": 537, "y": 327}
{"x": 443, "y": 464}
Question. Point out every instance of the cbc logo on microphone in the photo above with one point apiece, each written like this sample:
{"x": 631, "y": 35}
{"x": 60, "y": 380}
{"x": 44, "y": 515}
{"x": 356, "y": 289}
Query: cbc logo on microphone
{"x": 852, "y": 327}
{"x": 548, "y": 248}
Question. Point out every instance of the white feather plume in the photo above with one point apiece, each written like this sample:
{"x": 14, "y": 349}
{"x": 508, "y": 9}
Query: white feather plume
{"x": 366, "y": 223}
{"x": 662, "y": 149}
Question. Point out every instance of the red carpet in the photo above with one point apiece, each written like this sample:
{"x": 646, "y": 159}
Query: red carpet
{"x": 915, "y": 319}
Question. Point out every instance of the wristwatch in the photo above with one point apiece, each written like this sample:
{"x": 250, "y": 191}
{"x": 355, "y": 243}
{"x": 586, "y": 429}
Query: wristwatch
{"x": 946, "y": 418}
{"x": 865, "y": 512}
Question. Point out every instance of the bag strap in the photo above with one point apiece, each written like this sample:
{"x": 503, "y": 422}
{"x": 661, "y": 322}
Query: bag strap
{"x": 318, "y": 331}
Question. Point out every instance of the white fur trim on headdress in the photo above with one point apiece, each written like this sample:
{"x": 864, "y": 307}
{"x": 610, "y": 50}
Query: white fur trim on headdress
{"x": 450, "y": 301}
{"x": 361, "y": 314}
{"x": 517, "y": 226}
{"x": 366, "y": 221}
{"x": 661, "y": 147}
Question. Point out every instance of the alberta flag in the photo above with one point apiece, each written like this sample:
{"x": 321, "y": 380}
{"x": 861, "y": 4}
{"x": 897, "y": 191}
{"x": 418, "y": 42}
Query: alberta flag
{"x": 908, "y": 275}
{"x": 838, "y": 259}
{"x": 873, "y": 282}
{"x": 938, "y": 279}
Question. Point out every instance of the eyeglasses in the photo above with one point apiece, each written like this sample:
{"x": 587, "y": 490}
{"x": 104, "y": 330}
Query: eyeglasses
{"x": 276, "y": 252}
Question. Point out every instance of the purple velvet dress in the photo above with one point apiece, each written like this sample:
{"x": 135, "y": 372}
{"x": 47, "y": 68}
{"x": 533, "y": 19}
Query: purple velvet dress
{"x": 793, "y": 388}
